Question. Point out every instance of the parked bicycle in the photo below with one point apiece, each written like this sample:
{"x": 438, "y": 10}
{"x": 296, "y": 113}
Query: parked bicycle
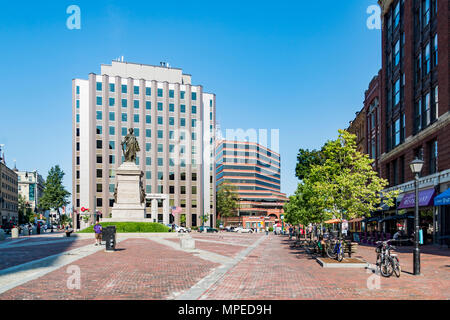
{"x": 335, "y": 249}
{"x": 387, "y": 262}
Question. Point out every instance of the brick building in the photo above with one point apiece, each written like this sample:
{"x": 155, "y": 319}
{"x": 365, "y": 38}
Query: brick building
{"x": 415, "y": 110}
{"x": 373, "y": 120}
{"x": 358, "y": 128}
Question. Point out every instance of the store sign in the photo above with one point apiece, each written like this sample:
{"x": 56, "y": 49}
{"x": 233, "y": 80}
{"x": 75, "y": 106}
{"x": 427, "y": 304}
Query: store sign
{"x": 425, "y": 199}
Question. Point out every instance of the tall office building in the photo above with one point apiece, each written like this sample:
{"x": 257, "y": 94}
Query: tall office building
{"x": 255, "y": 171}
{"x": 174, "y": 122}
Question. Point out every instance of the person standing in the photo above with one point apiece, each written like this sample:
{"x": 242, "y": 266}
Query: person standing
{"x": 98, "y": 233}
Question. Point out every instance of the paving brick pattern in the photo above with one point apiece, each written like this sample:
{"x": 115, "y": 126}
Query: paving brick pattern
{"x": 13, "y": 256}
{"x": 144, "y": 270}
{"x": 224, "y": 249}
{"x": 275, "y": 271}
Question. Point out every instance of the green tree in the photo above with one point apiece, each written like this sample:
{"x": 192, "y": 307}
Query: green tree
{"x": 55, "y": 196}
{"x": 345, "y": 184}
{"x": 305, "y": 160}
{"x": 227, "y": 200}
{"x": 26, "y": 214}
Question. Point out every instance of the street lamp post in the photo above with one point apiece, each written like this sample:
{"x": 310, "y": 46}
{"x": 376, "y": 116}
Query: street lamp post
{"x": 416, "y": 167}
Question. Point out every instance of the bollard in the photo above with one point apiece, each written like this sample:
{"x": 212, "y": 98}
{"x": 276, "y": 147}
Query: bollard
{"x": 109, "y": 236}
{"x": 14, "y": 233}
{"x": 2, "y": 235}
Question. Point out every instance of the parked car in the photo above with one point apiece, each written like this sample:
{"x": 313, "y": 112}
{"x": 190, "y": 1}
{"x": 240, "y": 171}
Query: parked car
{"x": 208, "y": 229}
{"x": 229, "y": 229}
{"x": 243, "y": 230}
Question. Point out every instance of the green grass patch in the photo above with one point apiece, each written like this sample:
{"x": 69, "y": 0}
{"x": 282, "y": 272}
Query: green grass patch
{"x": 131, "y": 227}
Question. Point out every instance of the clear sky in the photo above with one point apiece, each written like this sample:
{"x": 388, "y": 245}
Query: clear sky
{"x": 298, "y": 66}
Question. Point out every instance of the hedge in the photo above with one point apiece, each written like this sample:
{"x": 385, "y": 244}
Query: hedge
{"x": 131, "y": 227}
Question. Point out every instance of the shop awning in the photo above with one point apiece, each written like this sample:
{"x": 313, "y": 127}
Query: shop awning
{"x": 356, "y": 220}
{"x": 332, "y": 221}
{"x": 425, "y": 199}
{"x": 372, "y": 219}
{"x": 443, "y": 199}
{"x": 397, "y": 217}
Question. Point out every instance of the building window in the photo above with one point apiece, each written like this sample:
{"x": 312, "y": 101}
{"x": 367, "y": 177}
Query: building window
{"x": 171, "y": 107}
{"x": 136, "y": 132}
{"x": 397, "y": 53}
{"x": 148, "y": 119}
{"x": 182, "y": 94}
{"x": 194, "y": 123}
{"x": 136, "y": 118}
{"x": 427, "y": 107}
{"x": 112, "y": 116}
{"x": 112, "y": 102}
{"x": 136, "y": 89}
{"x": 124, "y": 103}
{"x": 148, "y": 161}
{"x": 124, "y": 117}
{"x": 99, "y": 130}
{"x": 182, "y": 122}
{"x": 435, "y": 50}
{"x": 160, "y": 176}
{"x": 148, "y": 147}
{"x": 112, "y": 131}
{"x": 112, "y": 87}
{"x": 148, "y": 175}
{"x": 112, "y": 159}
{"x": 436, "y": 102}
{"x": 148, "y": 133}
{"x": 160, "y": 120}
{"x": 99, "y": 86}
{"x": 136, "y": 104}
{"x": 171, "y": 121}
{"x": 160, "y": 147}
{"x": 78, "y": 90}
{"x": 183, "y": 190}
{"x": 160, "y": 93}
{"x": 99, "y": 159}
{"x": 397, "y": 133}
{"x": 78, "y": 104}
{"x": 160, "y": 134}
{"x": 426, "y": 12}
{"x": 171, "y": 93}
{"x": 99, "y": 173}
{"x": 124, "y": 88}
{"x": 427, "y": 62}
{"x": 112, "y": 145}
{"x": 433, "y": 165}
{"x": 397, "y": 93}
{"x": 99, "y": 115}
{"x": 397, "y": 15}
{"x": 148, "y": 91}
{"x": 182, "y": 108}
{"x": 124, "y": 131}
{"x": 160, "y": 106}
{"x": 171, "y": 189}
{"x": 194, "y": 109}
{"x": 99, "y": 101}
{"x": 99, "y": 202}
{"x": 194, "y": 96}
{"x": 160, "y": 162}
{"x": 148, "y": 105}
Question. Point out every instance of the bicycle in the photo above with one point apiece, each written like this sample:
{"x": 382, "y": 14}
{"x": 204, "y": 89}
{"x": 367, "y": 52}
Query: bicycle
{"x": 335, "y": 250}
{"x": 387, "y": 262}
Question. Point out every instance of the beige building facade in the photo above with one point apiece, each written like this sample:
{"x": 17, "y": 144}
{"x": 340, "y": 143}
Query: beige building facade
{"x": 8, "y": 195}
{"x": 174, "y": 122}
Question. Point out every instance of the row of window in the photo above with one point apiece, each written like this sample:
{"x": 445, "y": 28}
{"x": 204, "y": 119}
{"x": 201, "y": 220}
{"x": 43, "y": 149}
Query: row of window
{"x": 148, "y": 91}
{"x": 427, "y": 59}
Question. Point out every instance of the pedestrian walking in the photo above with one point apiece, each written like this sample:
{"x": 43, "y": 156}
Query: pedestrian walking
{"x": 98, "y": 233}
{"x": 267, "y": 230}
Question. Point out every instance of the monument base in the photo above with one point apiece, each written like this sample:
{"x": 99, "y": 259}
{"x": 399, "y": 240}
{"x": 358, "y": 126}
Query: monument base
{"x": 129, "y": 206}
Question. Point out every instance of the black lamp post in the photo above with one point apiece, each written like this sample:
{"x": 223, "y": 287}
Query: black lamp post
{"x": 416, "y": 167}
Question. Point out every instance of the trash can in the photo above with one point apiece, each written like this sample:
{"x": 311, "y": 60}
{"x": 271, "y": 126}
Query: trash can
{"x": 109, "y": 236}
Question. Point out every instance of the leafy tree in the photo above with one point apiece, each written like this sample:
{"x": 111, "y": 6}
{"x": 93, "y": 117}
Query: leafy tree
{"x": 305, "y": 160}
{"x": 227, "y": 200}
{"x": 26, "y": 214}
{"x": 55, "y": 195}
{"x": 183, "y": 220}
{"x": 345, "y": 184}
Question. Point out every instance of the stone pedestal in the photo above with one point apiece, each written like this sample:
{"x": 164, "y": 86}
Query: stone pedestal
{"x": 187, "y": 242}
{"x": 14, "y": 233}
{"x": 128, "y": 206}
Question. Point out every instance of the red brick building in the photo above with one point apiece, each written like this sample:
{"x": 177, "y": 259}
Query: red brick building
{"x": 415, "y": 106}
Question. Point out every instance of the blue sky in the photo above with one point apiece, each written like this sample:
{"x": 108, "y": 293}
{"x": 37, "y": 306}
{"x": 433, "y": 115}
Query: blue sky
{"x": 298, "y": 66}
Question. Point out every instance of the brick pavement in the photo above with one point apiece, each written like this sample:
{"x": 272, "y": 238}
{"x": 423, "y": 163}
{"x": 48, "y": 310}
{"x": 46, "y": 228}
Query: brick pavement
{"x": 274, "y": 271}
{"x": 144, "y": 269}
{"x": 12, "y": 256}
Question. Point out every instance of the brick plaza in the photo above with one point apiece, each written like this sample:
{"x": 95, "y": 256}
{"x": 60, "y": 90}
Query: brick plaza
{"x": 224, "y": 266}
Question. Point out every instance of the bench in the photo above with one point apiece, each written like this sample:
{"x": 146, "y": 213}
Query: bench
{"x": 446, "y": 240}
{"x": 350, "y": 248}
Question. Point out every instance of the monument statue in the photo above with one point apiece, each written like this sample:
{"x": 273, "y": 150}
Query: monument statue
{"x": 130, "y": 146}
